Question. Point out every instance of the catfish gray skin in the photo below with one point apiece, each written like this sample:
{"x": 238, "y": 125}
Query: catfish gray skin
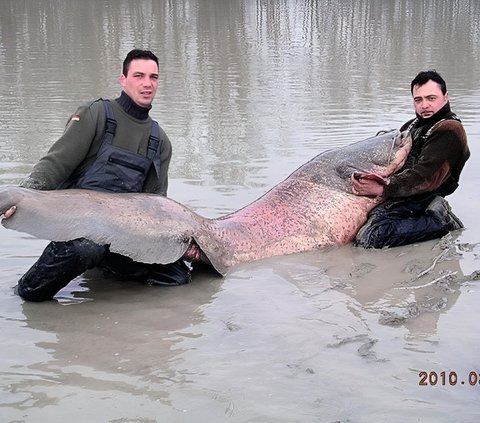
{"x": 314, "y": 207}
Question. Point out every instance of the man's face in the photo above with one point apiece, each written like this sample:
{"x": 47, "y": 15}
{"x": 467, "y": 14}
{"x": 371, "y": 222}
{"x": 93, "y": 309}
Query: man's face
{"x": 428, "y": 99}
{"x": 141, "y": 82}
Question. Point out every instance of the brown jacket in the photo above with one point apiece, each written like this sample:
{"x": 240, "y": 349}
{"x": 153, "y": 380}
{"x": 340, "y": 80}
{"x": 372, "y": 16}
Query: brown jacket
{"x": 437, "y": 157}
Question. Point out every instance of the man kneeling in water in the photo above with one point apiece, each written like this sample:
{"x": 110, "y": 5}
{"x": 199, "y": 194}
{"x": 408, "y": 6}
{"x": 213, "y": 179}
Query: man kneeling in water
{"x": 108, "y": 145}
{"x": 415, "y": 208}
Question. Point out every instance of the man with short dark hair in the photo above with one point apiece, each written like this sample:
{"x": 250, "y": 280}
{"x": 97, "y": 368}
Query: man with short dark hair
{"x": 107, "y": 145}
{"x": 415, "y": 208}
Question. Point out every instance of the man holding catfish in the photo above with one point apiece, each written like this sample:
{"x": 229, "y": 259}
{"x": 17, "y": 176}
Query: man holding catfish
{"x": 415, "y": 208}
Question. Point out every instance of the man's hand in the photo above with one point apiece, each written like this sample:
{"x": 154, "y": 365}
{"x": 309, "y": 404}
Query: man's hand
{"x": 9, "y": 213}
{"x": 193, "y": 253}
{"x": 368, "y": 184}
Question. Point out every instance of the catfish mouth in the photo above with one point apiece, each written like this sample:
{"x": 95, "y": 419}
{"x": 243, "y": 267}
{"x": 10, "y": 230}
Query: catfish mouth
{"x": 399, "y": 150}
{"x": 400, "y": 145}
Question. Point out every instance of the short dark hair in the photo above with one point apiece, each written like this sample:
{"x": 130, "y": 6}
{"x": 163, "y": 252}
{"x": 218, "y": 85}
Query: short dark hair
{"x": 429, "y": 75}
{"x": 137, "y": 54}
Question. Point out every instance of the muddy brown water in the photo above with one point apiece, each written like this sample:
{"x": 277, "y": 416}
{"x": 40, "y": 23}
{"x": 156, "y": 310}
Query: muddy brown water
{"x": 248, "y": 92}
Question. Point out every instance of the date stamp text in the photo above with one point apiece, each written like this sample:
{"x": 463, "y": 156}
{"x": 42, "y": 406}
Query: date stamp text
{"x": 448, "y": 378}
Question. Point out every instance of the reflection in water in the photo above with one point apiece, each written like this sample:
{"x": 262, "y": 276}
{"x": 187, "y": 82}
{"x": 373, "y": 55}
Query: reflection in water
{"x": 275, "y": 336}
{"x": 240, "y": 82}
{"x": 128, "y": 347}
{"x": 398, "y": 286}
{"x": 312, "y": 326}
{"x": 248, "y": 92}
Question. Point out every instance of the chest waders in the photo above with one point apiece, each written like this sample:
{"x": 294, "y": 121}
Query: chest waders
{"x": 116, "y": 170}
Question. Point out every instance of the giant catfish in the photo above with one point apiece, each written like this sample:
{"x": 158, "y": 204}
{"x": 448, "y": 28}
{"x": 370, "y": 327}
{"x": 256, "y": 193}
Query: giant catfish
{"x": 313, "y": 207}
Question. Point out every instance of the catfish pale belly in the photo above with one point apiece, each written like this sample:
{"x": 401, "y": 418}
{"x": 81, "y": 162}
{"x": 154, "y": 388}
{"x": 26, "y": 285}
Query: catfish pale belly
{"x": 314, "y": 207}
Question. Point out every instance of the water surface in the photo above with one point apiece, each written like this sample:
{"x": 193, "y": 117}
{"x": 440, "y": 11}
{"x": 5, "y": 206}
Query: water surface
{"x": 248, "y": 92}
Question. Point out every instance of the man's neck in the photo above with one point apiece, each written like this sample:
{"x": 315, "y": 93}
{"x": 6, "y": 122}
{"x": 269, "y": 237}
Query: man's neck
{"x": 132, "y": 108}
{"x": 436, "y": 117}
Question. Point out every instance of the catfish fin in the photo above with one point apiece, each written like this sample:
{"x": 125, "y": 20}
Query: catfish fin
{"x": 145, "y": 227}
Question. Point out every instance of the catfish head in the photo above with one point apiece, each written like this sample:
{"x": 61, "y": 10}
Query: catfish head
{"x": 378, "y": 157}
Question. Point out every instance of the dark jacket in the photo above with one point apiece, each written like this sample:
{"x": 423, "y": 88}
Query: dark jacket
{"x": 435, "y": 161}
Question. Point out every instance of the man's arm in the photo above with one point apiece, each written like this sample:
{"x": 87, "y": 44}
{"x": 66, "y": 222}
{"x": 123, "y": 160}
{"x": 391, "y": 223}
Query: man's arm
{"x": 444, "y": 153}
{"x": 66, "y": 154}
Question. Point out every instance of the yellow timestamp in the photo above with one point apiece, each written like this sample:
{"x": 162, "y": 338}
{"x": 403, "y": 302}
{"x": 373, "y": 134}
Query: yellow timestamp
{"x": 450, "y": 378}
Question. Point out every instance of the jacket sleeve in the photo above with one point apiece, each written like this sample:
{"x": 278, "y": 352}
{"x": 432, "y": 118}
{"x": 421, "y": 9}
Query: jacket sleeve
{"x": 66, "y": 154}
{"x": 443, "y": 152}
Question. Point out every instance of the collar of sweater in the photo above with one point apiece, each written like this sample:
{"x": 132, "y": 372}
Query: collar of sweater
{"x": 132, "y": 108}
{"x": 441, "y": 114}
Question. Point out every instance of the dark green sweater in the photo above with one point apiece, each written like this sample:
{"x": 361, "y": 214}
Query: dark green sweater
{"x": 435, "y": 163}
{"x": 79, "y": 144}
